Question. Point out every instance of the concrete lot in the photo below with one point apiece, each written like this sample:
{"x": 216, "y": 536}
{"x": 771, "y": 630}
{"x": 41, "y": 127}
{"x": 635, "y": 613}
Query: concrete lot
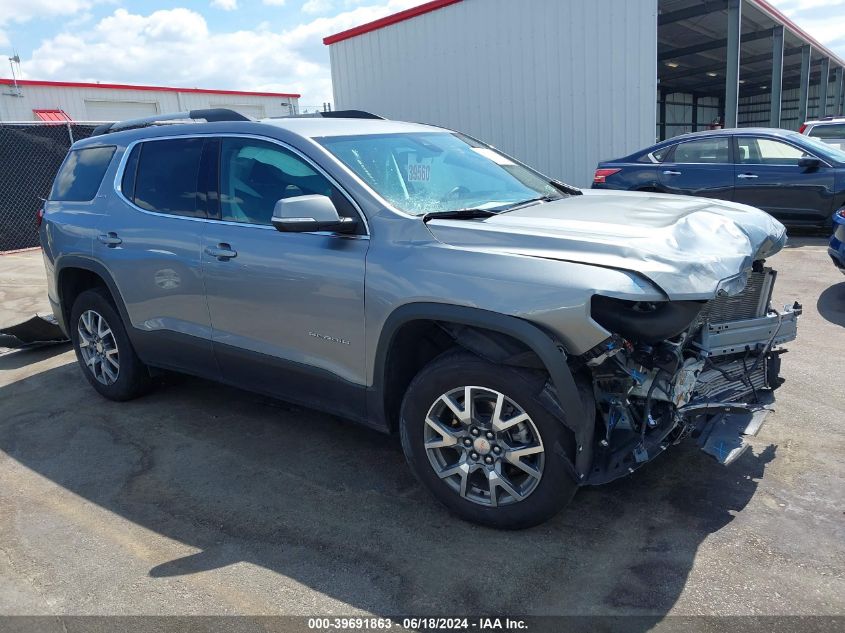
{"x": 200, "y": 499}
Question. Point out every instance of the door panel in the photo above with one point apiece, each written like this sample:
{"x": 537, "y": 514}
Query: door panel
{"x": 700, "y": 167}
{"x": 768, "y": 177}
{"x": 287, "y": 309}
{"x": 150, "y": 241}
{"x": 298, "y": 297}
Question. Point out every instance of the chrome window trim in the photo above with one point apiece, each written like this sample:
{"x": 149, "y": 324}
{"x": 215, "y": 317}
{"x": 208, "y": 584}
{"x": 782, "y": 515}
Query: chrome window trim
{"x": 777, "y": 140}
{"x": 118, "y": 183}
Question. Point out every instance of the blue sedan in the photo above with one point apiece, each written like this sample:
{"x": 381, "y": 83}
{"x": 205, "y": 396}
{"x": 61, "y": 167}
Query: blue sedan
{"x": 836, "y": 250}
{"x": 796, "y": 178}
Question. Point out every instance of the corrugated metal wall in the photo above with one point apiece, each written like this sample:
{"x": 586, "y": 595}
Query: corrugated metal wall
{"x": 75, "y": 101}
{"x": 559, "y": 85}
{"x": 754, "y": 110}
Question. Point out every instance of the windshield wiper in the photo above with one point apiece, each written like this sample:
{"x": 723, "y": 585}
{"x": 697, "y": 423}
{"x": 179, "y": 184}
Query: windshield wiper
{"x": 458, "y": 214}
{"x": 567, "y": 189}
{"x": 525, "y": 203}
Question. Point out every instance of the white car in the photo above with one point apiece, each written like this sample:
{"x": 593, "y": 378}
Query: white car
{"x": 830, "y": 129}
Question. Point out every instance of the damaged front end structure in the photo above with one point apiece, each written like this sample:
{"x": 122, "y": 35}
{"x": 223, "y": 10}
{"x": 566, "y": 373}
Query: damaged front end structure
{"x": 704, "y": 369}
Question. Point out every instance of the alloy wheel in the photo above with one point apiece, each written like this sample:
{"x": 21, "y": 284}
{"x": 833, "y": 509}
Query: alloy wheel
{"x": 484, "y": 446}
{"x": 98, "y": 347}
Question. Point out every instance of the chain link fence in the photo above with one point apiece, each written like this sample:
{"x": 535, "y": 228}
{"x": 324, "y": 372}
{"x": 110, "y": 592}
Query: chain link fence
{"x": 30, "y": 156}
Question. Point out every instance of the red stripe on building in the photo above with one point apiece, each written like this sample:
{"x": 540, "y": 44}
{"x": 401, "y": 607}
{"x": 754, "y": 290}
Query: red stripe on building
{"x": 74, "y": 84}
{"x": 407, "y": 14}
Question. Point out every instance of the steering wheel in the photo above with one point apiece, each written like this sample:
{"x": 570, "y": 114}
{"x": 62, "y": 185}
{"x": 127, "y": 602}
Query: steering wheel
{"x": 455, "y": 193}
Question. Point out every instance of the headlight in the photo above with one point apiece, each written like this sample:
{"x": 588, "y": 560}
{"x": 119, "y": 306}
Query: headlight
{"x": 734, "y": 285}
{"x": 644, "y": 321}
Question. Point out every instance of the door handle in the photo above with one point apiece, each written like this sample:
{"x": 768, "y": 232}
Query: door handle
{"x": 670, "y": 172}
{"x": 109, "y": 239}
{"x": 223, "y": 252}
{"x": 746, "y": 176}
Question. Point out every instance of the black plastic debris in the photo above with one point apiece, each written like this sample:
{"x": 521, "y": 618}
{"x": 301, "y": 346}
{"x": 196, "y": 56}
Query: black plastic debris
{"x": 39, "y": 330}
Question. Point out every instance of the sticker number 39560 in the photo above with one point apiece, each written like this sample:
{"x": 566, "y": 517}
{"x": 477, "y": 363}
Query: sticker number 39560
{"x": 419, "y": 172}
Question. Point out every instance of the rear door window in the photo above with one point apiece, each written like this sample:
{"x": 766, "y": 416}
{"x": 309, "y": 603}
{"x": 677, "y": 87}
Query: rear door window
{"x": 80, "y": 175}
{"x": 703, "y": 151}
{"x": 166, "y": 180}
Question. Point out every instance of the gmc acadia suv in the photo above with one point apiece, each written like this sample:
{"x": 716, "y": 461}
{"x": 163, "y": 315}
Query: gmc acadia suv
{"x": 523, "y": 337}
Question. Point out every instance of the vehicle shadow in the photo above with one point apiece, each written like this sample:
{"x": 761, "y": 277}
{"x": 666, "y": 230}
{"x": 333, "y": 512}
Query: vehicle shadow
{"x": 799, "y": 238}
{"x": 334, "y": 507}
{"x": 831, "y": 304}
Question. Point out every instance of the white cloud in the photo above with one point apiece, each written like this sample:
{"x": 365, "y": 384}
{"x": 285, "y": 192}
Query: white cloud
{"x": 226, "y": 5}
{"x": 274, "y": 3}
{"x": 317, "y": 6}
{"x": 20, "y": 11}
{"x": 791, "y": 7}
{"x": 176, "y": 47}
{"x": 25, "y": 10}
{"x": 821, "y": 19}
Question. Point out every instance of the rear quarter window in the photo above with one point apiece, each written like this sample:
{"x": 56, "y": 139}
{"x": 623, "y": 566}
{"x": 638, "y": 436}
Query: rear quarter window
{"x": 82, "y": 172}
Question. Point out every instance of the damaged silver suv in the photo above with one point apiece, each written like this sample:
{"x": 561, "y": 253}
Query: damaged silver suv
{"x": 523, "y": 337}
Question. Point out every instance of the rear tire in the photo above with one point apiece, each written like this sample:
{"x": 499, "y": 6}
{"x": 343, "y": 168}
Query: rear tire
{"x": 103, "y": 349}
{"x": 468, "y": 460}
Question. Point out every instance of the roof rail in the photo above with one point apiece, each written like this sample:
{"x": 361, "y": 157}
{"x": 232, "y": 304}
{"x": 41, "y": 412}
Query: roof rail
{"x": 209, "y": 115}
{"x": 334, "y": 114}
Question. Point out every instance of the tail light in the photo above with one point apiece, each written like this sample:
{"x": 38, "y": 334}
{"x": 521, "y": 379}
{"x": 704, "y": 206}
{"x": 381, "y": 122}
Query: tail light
{"x": 39, "y": 218}
{"x": 601, "y": 175}
{"x": 802, "y": 128}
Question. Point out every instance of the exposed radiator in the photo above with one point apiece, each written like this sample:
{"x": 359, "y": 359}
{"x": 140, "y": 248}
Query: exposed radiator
{"x": 752, "y": 302}
{"x": 713, "y": 386}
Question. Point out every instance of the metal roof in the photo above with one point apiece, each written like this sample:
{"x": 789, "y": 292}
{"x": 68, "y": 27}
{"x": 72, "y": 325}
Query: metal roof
{"x": 107, "y": 86}
{"x": 692, "y": 47}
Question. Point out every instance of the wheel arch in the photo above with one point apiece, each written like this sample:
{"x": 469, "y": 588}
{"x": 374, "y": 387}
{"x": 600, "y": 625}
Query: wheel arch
{"x": 75, "y": 274}
{"x": 487, "y": 334}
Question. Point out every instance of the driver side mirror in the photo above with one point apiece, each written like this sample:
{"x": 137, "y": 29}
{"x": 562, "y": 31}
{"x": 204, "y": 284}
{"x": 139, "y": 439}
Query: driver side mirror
{"x": 307, "y": 214}
{"x": 809, "y": 163}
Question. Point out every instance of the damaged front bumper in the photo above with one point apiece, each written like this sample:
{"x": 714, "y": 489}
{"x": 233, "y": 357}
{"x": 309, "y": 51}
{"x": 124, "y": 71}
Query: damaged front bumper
{"x": 714, "y": 382}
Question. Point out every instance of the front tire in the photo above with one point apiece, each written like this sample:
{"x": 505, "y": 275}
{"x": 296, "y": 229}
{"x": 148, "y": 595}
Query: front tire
{"x": 503, "y": 460}
{"x": 103, "y": 349}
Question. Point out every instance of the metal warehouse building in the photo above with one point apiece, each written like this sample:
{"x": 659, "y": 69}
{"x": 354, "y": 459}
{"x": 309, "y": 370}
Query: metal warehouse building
{"x": 564, "y": 84}
{"x": 25, "y": 100}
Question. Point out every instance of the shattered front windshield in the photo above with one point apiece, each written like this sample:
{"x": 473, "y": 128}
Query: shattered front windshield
{"x": 432, "y": 172}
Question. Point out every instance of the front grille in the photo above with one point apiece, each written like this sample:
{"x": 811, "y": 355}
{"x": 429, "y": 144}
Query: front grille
{"x": 752, "y": 302}
{"x": 713, "y": 386}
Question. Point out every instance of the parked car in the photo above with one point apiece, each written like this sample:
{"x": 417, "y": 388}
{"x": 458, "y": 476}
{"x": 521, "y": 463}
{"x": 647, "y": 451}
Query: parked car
{"x": 836, "y": 249}
{"x": 831, "y": 130}
{"x": 523, "y": 337}
{"x": 798, "y": 179}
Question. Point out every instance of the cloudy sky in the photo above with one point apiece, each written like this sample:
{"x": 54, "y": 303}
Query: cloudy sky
{"x": 237, "y": 44}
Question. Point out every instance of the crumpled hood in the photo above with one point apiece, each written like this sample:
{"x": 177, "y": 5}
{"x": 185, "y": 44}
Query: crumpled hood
{"x": 685, "y": 245}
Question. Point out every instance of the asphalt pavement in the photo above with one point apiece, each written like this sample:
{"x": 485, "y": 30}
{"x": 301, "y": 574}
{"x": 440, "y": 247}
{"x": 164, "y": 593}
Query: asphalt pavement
{"x": 202, "y": 499}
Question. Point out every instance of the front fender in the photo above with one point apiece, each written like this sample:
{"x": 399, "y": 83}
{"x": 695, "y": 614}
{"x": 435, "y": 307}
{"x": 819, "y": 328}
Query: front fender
{"x": 550, "y": 351}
